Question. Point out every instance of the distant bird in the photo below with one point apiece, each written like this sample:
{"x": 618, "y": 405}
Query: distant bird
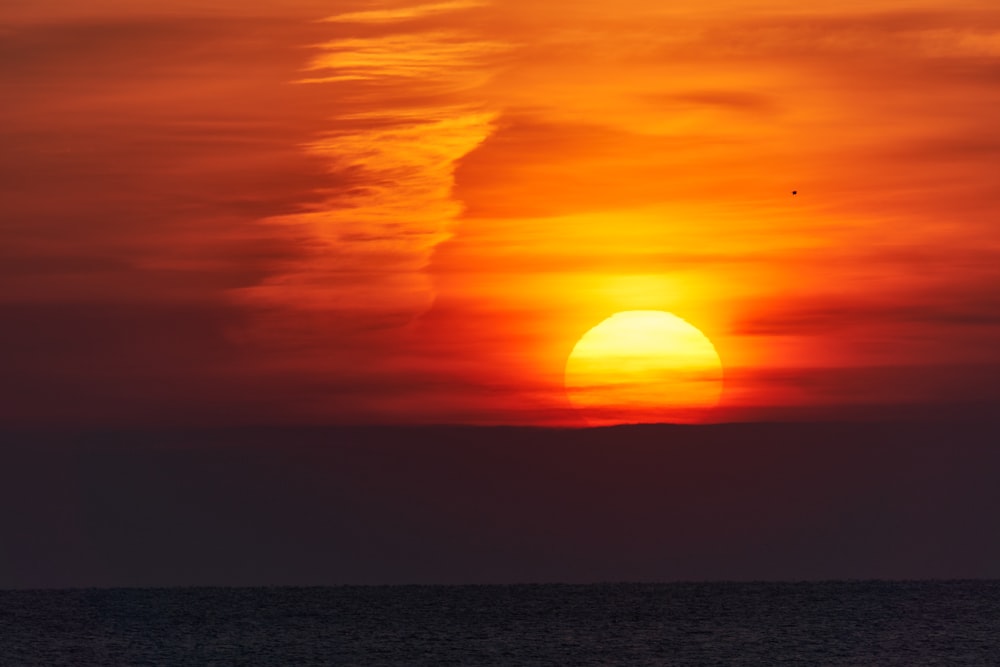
{"x": 795, "y": 192}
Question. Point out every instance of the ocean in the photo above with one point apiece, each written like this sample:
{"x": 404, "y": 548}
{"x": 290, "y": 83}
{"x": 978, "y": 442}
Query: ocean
{"x": 859, "y": 624}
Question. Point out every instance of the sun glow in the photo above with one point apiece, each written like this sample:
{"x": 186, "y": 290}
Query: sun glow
{"x": 644, "y": 366}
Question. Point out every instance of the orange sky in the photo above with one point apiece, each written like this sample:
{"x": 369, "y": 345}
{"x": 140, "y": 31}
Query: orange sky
{"x": 410, "y": 212}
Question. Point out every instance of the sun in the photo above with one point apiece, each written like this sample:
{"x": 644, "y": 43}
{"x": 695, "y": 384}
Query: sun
{"x": 643, "y": 366}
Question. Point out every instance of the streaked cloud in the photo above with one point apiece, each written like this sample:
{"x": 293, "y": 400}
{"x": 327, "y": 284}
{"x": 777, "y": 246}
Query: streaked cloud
{"x": 434, "y": 58}
{"x": 372, "y": 242}
{"x": 398, "y": 14}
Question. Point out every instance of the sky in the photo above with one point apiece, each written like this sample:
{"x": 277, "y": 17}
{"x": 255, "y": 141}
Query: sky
{"x": 308, "y": 212}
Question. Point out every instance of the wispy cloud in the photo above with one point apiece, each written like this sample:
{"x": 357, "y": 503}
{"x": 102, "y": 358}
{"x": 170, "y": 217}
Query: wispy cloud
{"x": 434, "y": 58}
{"x": 410, "y": 110}
{"x": 399, "y": 14}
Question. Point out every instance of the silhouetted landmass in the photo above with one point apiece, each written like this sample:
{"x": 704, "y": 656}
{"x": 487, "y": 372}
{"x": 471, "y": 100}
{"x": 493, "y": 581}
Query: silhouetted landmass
{"x": 470, "y": 504}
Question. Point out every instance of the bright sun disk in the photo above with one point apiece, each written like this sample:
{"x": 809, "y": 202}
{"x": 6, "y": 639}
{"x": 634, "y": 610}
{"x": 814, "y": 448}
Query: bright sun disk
{"x": 642, "y": 366}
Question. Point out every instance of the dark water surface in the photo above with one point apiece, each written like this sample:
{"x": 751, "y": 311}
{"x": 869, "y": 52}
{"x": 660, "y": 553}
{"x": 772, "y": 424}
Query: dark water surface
{"x": 841, "y": 623}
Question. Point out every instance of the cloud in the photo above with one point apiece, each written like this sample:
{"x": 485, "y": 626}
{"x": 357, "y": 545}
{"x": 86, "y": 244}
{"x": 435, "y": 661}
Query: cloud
{"x": 741, "y": 101}
{"x": 146, "y": 167}
{"x": 443, "y": 60}
{"x": 969, "y": 306}
{"x": 927, "y": 391}
{"x": 399, "y": 14}
{"x": 408, "y": 112}
{"x": 110, "y": 151}
{"x": 29, "y": 12}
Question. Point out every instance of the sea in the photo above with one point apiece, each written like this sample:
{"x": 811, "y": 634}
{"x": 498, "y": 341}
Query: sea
{"x": 857, "y": 624}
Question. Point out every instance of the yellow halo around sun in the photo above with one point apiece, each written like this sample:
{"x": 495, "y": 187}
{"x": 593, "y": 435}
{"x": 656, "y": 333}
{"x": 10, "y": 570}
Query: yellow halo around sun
{"x": 643, "y": 366}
